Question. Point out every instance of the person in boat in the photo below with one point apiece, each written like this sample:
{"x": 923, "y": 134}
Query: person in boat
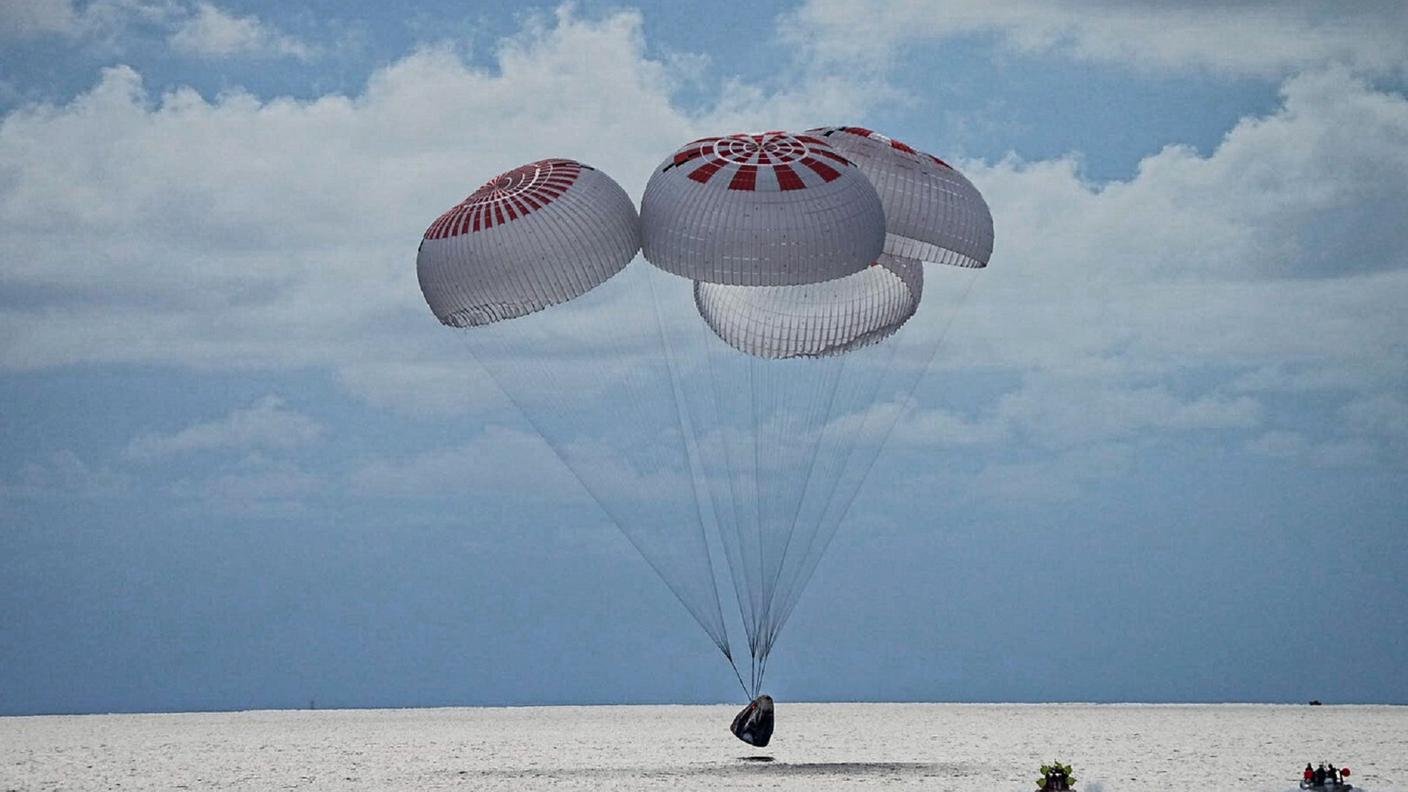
{"x": 1309, "y": 774}
{"x": 1320, "y": 775}
{"x": 1332, "y": 775}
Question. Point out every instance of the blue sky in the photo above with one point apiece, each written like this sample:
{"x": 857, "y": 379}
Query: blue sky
{"x": 242, "y": 466}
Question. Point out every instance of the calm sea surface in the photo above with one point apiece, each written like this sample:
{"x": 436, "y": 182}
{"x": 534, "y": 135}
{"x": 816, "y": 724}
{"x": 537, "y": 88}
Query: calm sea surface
{"x": 817, "y": 746}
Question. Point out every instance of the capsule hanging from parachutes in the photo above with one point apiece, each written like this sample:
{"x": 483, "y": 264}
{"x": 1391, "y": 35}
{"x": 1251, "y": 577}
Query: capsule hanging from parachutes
{"x": 791, "y": 261}
{"x": 799, "y": 251}
{"x": 753, "y": 724}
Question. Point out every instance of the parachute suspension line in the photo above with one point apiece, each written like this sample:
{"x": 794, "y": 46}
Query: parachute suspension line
{"x": 762, "y": 670}
{"x": 591, "y": 491}
{"x": 721, "y": 638}
{"x": 527, "y": 416}
{"x": 793, "y": 579}
{"x": 594, "y": 357}
{"x": 758, "y": 395}
{"x": 737, "y": 675}
{"x": 757, "y": 512}
{"x": 772, "y": 427}
{"x": 796, "y": 416}
{"x": 745, "y": 562}
{"x": 819, "y": 432}
{"x": 737, "y": 565}
{"x": 815, "y": 546}
{"x": 914, "y": 386}
{"x": 868, "y": 466}
{"x": 687, "y": 436}
{"x": 863, "y": 398}
{"x": 782, "y": 412}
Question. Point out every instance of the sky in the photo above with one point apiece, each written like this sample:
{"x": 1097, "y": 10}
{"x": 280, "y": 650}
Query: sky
{"x": 1161, "y": 456}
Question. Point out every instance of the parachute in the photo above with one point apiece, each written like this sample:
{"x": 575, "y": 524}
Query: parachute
{"x": 517, "y": 245}
{"x": 932, "y": 213}
{"x": 814, "y": 320}
{"x": 760, "y": 210}
{"x": 724, "y": 400}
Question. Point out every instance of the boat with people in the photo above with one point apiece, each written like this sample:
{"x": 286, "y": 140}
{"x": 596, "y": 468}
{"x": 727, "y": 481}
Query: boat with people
{"x": 1325, "y": 778}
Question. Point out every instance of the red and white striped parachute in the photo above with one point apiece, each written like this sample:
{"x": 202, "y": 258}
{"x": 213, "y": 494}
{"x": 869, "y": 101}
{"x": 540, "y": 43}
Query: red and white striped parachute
{"x": 533, "y": 237}
{"x": 932, "y": 213}
{"x": 769, "y": 209}
{"x": 739, "y": 441}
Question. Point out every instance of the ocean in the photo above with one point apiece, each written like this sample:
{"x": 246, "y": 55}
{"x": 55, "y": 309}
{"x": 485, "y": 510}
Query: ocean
{"x": 971, "y": 747}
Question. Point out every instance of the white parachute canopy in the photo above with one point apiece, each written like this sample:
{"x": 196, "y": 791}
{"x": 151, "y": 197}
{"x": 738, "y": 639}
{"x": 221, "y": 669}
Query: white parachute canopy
{"x": 530, "y": 267}
{"x": 724, "y": 405}
{"x": 765, "y": 209}
{"x": 816, "y": 319}
{"x": 932, "y": 213}
{"x": 536, "y": 236}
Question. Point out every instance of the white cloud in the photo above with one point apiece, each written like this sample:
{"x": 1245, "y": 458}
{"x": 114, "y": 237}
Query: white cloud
{"x": 1378, "y": 421}
{"x": 255, "y": 487}
{"x": 102, "y": 23}
{"x": 214, "y": 33}
{"x": 1065, "y": 411}
{"x": 521, "y": 466}
{"x": 1296, "y": 447}
{"x": 202, "y": 29}
{"x": 9, "y": 92}
{"x": 1381, "y": 415}
{"x": 1274, "y": 251}
{"x": 25, "y": 18}
{"x": 267, "y": 424}
{"x": 1060, "y": 477}
{"x": 65, "y": 474}
{"x": 1298, "y": 379}
{"x": 498, "y": 460}
{"x": 237, "y": 233}
{"x": 1266, "y": 39}
{"x": 941, "y": 427}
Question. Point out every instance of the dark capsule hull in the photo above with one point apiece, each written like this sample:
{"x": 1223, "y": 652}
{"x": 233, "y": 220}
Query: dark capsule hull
{"x": 754, "y": 724}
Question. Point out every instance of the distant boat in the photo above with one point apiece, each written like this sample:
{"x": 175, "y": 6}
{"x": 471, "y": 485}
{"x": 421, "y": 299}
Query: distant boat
{"x": 1328, "y": 786}
{"x": 1315, "y": 702}
{"x": 1336, "y": 780}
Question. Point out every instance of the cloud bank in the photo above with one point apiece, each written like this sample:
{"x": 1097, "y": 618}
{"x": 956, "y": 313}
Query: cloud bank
{"x": 211, "y": 32}
{"x": 267, "y": 424}
{"x": 1258, "y": 39}
{"x": 236, "y": 233}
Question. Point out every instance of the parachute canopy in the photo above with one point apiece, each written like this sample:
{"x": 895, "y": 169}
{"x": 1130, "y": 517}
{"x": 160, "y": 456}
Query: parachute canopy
{"x": 828, "y": 318}
{"x": 766, "y": 209}
{"x": 724, "y": 403}
{"x": 932, "y": 213}
{"x": 536, "y": 236}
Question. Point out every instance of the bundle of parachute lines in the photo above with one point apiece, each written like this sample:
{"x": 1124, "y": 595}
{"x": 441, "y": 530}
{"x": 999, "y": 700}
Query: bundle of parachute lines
{"x": 793, "y": 257}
